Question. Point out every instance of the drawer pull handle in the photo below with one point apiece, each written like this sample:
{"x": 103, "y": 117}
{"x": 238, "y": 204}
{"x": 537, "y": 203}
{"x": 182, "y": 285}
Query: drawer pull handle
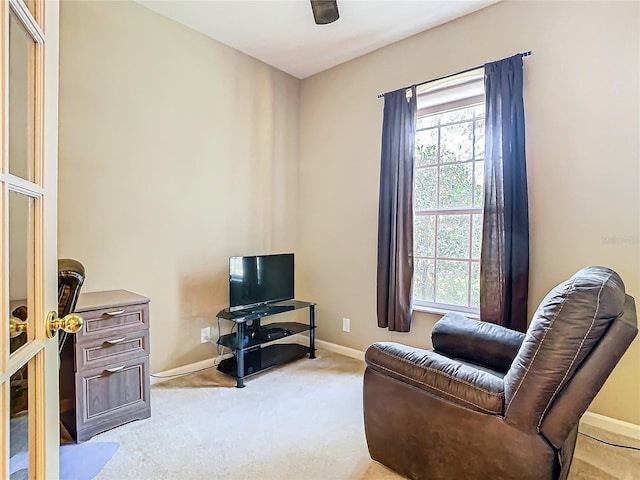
{"x": 115, "y": 340}
{"x": 113, "y": 314}
{"x": 114, "y": 369}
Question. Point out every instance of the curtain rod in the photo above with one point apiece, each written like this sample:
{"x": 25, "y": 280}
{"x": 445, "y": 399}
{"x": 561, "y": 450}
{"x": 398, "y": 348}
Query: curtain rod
{"x": 525, "y": 54}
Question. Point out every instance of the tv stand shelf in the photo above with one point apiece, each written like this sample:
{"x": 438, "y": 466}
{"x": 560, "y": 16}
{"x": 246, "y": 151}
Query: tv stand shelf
{"x": 254, "y": 339}
{"x": 250, "y": 356}
{"x": 263, "y": 358}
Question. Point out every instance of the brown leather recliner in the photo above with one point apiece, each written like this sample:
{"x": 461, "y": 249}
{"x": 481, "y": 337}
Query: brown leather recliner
{"x": 492, "y": 403}
{"x": 71, "y": 276}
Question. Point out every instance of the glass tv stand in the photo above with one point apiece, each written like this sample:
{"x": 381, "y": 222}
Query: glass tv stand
{"x": 251, "y": 355}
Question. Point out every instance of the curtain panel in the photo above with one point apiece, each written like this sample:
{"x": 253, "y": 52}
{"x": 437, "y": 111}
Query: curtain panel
{"x": 504, "y": 261}
{"x": 395, "y": 212}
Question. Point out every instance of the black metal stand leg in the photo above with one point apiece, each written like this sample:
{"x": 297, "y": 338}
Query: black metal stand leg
{"x": 240, "y": 355}
{"x": 312, "y": 332}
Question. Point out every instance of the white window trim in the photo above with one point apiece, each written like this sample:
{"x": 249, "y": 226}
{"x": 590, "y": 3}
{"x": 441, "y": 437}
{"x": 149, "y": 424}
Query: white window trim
{"x": 450, "y": 95}
{"x": 443, "y": 309}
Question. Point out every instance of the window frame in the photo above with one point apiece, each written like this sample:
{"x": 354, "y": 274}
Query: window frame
{"x": 456, "y": 94}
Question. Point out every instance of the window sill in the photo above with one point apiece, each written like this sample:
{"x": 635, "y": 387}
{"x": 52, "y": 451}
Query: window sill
{"x": 444, "y": 311}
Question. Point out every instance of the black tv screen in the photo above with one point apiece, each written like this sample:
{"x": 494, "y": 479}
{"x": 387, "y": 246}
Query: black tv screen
{"x": 260, "y": 279}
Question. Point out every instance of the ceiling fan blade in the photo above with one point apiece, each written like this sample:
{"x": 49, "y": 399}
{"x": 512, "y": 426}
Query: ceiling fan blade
{"x": 325, "y": 11}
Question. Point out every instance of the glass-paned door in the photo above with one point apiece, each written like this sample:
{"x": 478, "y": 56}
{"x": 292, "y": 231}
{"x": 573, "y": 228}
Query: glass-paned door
{"x": 28, "y": 265}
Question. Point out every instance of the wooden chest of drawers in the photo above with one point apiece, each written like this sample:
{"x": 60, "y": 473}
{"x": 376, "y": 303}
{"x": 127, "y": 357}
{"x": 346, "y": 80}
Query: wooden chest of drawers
{"x": 104, "y": 368}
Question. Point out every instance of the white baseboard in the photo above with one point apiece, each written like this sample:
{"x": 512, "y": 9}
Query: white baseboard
{"x": 191, "y": 367}
{"x": 346, "y": 351}
{"x": 210, "y": 362}
{"x": 611, "y": 425}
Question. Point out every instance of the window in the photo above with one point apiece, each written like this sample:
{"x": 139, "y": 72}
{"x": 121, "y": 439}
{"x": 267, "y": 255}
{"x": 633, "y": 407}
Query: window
{"x": 448, "y": 196}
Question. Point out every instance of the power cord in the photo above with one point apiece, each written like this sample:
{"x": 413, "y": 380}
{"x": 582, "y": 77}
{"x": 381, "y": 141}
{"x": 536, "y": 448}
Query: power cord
{"x": 215, "y": 364}
{"x": 608, "y": 443}
{"x": 219, "y": 358}
{"x": 218, "y": 346}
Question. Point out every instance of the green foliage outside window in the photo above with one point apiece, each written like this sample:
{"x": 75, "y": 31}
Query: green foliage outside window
{"x": 448, "y": 189}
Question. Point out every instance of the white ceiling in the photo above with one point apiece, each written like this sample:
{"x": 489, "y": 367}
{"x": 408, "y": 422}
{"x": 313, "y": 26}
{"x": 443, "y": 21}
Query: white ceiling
{"x": 282, "y": 33}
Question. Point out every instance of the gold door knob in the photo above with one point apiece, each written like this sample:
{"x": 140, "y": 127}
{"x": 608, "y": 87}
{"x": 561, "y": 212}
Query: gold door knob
{"x": 17, "y": 327}
{"x": 70, "y": 323}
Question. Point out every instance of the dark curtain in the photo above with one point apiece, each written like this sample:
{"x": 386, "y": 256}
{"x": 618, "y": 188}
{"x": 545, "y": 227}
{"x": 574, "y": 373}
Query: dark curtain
{"x": 395, "y": 211}
{"x": 504, "y": 262}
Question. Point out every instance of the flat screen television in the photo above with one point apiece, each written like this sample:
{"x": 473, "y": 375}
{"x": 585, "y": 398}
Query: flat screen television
{"x": 260, "y": 280}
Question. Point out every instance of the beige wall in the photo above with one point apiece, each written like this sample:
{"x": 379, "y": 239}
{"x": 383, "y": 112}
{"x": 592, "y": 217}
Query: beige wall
{"x": 582, "y": 113}
{"x": 175, "y": 153}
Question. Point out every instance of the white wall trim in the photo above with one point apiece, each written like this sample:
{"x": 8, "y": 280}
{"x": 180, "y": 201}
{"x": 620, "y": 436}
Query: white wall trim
{"x": 611, "y": 425}
{"x": 211, "y": 362}
{"x": 185, "y": 369}
{"x": 346, "y": 351}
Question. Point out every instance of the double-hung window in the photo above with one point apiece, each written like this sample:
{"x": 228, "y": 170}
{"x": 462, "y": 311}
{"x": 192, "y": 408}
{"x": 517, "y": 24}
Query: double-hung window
{"x": 448, "y": 195}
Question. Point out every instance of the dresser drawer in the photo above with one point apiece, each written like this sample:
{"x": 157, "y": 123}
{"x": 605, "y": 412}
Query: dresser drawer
{"x": 113, "y": 322}
{"x": 98, "y": 352}
{"x": 108, "y": 393}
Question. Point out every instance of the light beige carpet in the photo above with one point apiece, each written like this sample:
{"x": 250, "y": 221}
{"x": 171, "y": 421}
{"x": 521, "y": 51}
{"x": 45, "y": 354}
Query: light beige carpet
{"x": 302, "y": 420}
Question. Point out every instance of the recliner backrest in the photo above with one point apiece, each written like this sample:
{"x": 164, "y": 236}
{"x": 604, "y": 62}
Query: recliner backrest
{"x": 573, "y": 400}
{"x": 71, "y": 276}
{"x": 566, "y": 327}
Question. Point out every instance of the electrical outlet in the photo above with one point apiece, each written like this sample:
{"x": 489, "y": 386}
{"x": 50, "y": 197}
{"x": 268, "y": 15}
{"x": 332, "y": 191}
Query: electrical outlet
{"x": 346, "y": 325}
{"x": 205, "y": 335}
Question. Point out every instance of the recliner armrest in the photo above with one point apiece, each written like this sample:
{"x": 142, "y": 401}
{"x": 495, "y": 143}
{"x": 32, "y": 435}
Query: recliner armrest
{"x": 441, "y": 376}
{"x": 478, "y": 342}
